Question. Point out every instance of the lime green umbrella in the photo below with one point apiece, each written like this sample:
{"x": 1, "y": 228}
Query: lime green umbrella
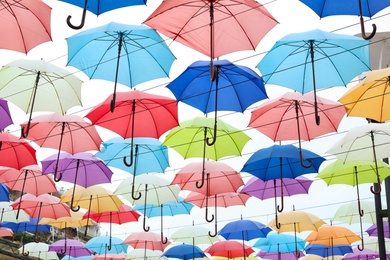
{"x": 354, "y": 173}
{"x": 190, "y": 139}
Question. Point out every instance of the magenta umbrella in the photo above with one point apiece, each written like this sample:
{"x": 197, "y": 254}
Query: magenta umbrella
{"x": 70, "y": 247}
{"x": 81, "y": 169}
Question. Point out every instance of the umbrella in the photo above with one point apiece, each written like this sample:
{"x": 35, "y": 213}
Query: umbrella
{"x": 5, "y": 114}
{"x": 266, "y": 189}
{"x": 146, "y": 240}
{"x": 281, "y": 161}
{"x": 16, "y": 153}
{"x": 6, "y": 232}
{"x": 368, "y": 98}
{"x": 190, "y": 138}
{"x": 327, "y": 251}
{"x": 184, "y": 251}
{"x": 25, "y": 25}
{"x": 291, "y": 61}
{"x": 70, "y": 247}
{"x": 214, "y": 28}
{"x": 332, "y": 235}
{"x": 141, "y": 54}
{"x": 282, "y": 243}
{"x": 367, "y": 142}
{"x": 125, "y": 215}
{"x": 194, "y": 235}
{"x": 77, "y": 169}
{"x": 155, "y": 188}
{"x": 37, "y": 85}
{"x": 138, "y": 114}
{"x": 229, "y": 249}
{"x": 75, "y": 220}
{"x": 361, "y": 8}
{"x": 289, "y": 117}
{"x": 356, "y": 254}
{"x": 31, "y": 225}
{"x": 373, "y": 230}
{"x": 29, "y": 179}
{"x": 144, "y": 253}
{"x": 99, "y": 245}
{"x": 9, "y": 214}
{"x": 277, "y": 255}
{"x": 97, "y": 7}
{"x": 119, "y": 256}
{"x": 39, "y": 250}
{"x": 4, "y": 192}
{"x": 235, "y": 88}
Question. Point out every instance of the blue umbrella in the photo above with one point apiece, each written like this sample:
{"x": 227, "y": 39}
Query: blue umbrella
{"x": 283, "y": 243}
{"x": 184, "y": 251}
{"x": 244, "y": 229}
{"x": 100, "y": 244}
{"x": 98, "y": 7}
{"x": 140, "y": 54}
{"x": 293, "y": 61}
{"x": 31, "y": 226}
{"x": 367, "y": 8}
{"x": 68, "y": 257}
{"x": 325, "y": 251}
{"x": 233, "y": 87}
{"x": 4, "y": 192}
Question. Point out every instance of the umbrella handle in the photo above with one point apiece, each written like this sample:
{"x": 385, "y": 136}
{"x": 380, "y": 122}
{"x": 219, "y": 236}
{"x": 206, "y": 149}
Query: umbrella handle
{"x": 82, "y": 18}
{"x": 109, "y": 244}
{"x": 215, "y": 231}
{"x": 361, "y": 247}
{"x": 164, "y": 240}
{"x": 24, "y": 132}
{"x": 277, "y": 223}
{"x": 214, "y": 136}
{"x": 372, "y": 189}
{"x": 302, "y": 161}
{"x": 362, "y": 24}
{"x": 63, "y": 252}
{"x": 146, "y": 229}
{"x": 23, "y": 237}
{"x": 128, "y": 164}
{"x": 133, "y": 194}
{"x": 74, "y": 209}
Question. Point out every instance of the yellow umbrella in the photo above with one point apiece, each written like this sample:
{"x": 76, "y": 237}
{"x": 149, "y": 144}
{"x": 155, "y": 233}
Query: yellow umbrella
{"x": 75, "y": 220}
{"x": 370, "y": 97}
{"x": 296, "y": 221}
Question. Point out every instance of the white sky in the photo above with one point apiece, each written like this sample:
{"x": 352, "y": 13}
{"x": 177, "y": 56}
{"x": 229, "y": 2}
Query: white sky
{"x": 293, "y": 16}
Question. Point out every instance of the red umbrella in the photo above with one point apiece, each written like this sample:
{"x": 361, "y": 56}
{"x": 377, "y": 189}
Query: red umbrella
{"x": 136, "y": 114}
{"x": 15, "y": 153}
{"x": 6, "y": 232}
{"x": 289, "y": 117}
{"x": 229, "y": 249}
{"x": 145, "y": 240}
{"x": 29, "y": 179}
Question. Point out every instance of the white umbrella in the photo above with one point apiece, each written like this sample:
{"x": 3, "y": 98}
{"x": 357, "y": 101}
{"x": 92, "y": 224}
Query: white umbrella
{"x": 39, "y": 250}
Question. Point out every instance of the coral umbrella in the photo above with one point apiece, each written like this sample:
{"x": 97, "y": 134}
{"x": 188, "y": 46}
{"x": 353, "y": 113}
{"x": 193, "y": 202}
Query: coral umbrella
{"x": 146, "y": 240}
{"x": 229, "y": 249}
{"x": 6, "y": 232}
{"x": 25, "y": 24}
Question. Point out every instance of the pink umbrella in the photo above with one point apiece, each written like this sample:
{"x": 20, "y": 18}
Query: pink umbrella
{"x": 6, "y": 232}
{"x": 145, "y": 240}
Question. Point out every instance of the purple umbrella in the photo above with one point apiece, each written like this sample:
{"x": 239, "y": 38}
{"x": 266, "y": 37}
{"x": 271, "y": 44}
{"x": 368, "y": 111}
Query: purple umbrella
{"x": 5, "y": 115}
{"x": 364, "y": 254}
{"x": 373, "y": 231}
{"x": 82, "y": 169}
{"x": 70, "y": 247}
{"x": 278, "y": 255}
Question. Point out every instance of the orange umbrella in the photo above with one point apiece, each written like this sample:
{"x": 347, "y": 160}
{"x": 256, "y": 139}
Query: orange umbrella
{"x": 332, "y": 235}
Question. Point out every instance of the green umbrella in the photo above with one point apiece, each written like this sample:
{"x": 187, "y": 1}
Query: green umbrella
{"x": 190, "y": 140}
{"x": 354, "y": 173}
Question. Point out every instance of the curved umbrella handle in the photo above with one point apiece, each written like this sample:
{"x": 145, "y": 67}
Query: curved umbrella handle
{"x": 82, "y": 18}
{"x": 361, "y": 247}
{"x": 214, "y": 135}
{"x": 63, "y": 252}
{"x": 24, "y": 132}
{"x": 281, "y": 206}
{"x": 376, "y": 166}
{"x": 55, "y": 175}
{"x": 109, "y": 246}
{"x": 215, "y": 231}
{"x": 204, "y": 160}
{"x": 372, "y": 189}
{"x": 164, "y": 240}
{"x": 199, "y": 186}
{"x": 133, "y": 194}
{"x": 146, "y": 228}
{"x": 89, "y": 213}
{"x": 302, "y": 160}
{"x": 74, "y": 209}
{"x": 128, "y": 164}
{"x": 363, "y": 31}
{"x": 277, "y": 224}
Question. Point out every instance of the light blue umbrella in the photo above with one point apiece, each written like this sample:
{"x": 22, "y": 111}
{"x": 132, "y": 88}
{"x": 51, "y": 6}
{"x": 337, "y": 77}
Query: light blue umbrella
{"x": 283, "y": 243}
{"x": 184, "y": 251}
{"x": 67, "y": 257}
{"x": 100, "y": 245}
{"x": 122, "y": 53}
{"x": 314, "y": 60}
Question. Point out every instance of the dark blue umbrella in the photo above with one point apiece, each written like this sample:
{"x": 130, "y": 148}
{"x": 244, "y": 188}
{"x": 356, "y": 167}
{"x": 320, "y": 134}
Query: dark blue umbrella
{"x": 98, "y": 7}
{"x": 31, "y": 226}
{"x": 184, "y": 251}
{"x": 4, "y": 192}
{"x": 326, "y": 251}
{"x": 244, "y": 229}
{"x": 232, "y": 88}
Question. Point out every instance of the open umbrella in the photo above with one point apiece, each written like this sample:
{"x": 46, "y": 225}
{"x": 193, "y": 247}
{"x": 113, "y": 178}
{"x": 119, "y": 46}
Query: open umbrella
{"x": 328, "y": 251}
{"x": 278, "y": 255}
{"x": 144, "y": 253}
{"x": 314, "y": 60}
{"x": 360, "y": 8}
{"x": 373, "y": 230}
{"x": 70, "y": 247}
{"x": 194, "y": 235}
{"x": 141, "y": 54}
{"x": 368, "y": 98}
{"x": 366, "y": 253}
{"x": 38, "y": 85}
{"x": 6, "y": 118}
{"x": 31, "y": 225}
{"x": 282, "y": 243}
{"x": 146, "y": 240}
{"x": 235, "y": 88}
{"x": 6, "y": 232}
{"x": 190, "y": 139}
{"x": 39, "y": 250}
{"x": 4, "y": 193}
{"x": 97, "y": 7}
{"x": 26, "y": 24}
{"x": 77, "y": 169}
{"x": 366, "y": 142}
{"x": 75, "y": 220}
{"x": 332, "y": 236}
{"x": 184, "y": 251}
{"x": 99, "y": 245}
{"x": 289, "y": 117}
{"x": 8, "y": 214}
{"x": 214, "y": 28}
{"x": 229, "y": 249}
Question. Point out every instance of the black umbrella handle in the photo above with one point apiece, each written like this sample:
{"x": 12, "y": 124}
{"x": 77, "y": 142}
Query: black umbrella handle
{"x": 78, "y": 27}
{"x": 366, "y": 37}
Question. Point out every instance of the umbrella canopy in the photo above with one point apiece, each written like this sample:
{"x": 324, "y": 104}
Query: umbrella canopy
{"x": 244, "y": 229}
{"x": 184, "y": 251}
{"x": 75, "y": 220}
{"x": 192, "y": 24}
{"x": 97, "y": 7}
{"x": 328, "y": 251}
{"x": 31, "y": 225}
{"x": 5, "y": 114}
{"x": 26, "y": 24}
{"x": 99, "y": 245}
{"x": 29, "y": 179}
{"x": 297, "y": 60}
{"x": 373, "y": 230}
{"x": 144, "y": 253}
{"x": 278, "y": 255}
{"x": 368, "y": 98}
{"x": 137, "y": 114}
{"x": 37, "y": 85}
{"x": 4, "y": 192}
{"x": 70, "y": 247}
{"x": 39, "y": 250}
{"x": 332, "y": 235}
{"x": 8, "y": 214}
{"x": 140, "y": 54}
{"x": 15, "y": 152}
{"x": 229, "y": 249}
{"x": 275, "y": 242}
{"x": 194, "y": 235}
{"x": 146, "y": 240}
{"x": 6, "y": 232}
{"x": 357, "y": 254}
{"x": 296, "y": 221}
{"x": 147, "y": 154}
